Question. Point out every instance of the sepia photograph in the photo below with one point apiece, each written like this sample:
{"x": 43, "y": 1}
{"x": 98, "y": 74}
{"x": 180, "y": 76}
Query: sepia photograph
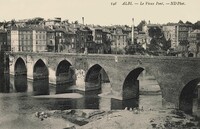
{"x": 100, "y": 64}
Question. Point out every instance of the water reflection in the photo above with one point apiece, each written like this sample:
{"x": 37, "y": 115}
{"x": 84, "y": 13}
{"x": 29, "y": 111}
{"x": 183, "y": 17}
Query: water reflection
{"x": 20, "y": 82}
{"x": 118, "y": 104}
{"x": 63, "y": 88}
{"x": 91, "y": 100}
{"x": 4, "y": 83}
{"x": 41, "y": 86}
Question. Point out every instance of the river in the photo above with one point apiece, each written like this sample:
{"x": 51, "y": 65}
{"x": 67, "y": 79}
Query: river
{"x": 17, "y": 109}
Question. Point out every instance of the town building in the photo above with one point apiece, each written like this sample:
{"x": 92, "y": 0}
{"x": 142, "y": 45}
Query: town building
{"x": 4, "y": 46}
{"x": 71, "y": 42}
{"x": 19, "y": 23}
{"x": 171, "y": 33}
{"x": 13, "y": 33}
{"x": 97, "y": 34}
{"x": 25, "y": 35}
{"x": 177, "y": 33}
{"x": 90, "y": 44}
{"x": 53, "y": 22}
{"x": 28, "y": 38}
{"x": 119, "y": 40}
{"x": 106, "y": 39}
{"x": 142, "y": 39}
{"x": 81, "y": 38}
{"x": 39, "y": 39}
{"x": 194, "y": 43}
{"x": 50, "y": 40}
{"x": 59, "y": 39}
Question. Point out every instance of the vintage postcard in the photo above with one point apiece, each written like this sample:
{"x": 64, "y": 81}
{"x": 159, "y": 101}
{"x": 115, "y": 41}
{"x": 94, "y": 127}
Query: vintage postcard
{"x": 99, "y": 64}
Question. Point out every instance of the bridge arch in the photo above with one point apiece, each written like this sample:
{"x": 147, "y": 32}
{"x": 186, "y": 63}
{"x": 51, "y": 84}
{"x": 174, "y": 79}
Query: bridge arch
{"x": 21, "y": 59}
{"x": 131, "y": 84}
{"x": 20, "y": 72}
{"x": 40, "y": 69}
{"x": 62, "y": 67}
{"x": 96, "y": 78}
{"x": 188, "y": 94}
{"x": 64, "y": 76}
{"x": 40, "y": 78}
{"x": 20, "y": 65}
{"x": 131, "y": 88}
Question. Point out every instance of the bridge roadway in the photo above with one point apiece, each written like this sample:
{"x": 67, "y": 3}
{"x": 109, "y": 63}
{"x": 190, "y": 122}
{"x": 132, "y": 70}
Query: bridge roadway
{"x": 177, "y": 77}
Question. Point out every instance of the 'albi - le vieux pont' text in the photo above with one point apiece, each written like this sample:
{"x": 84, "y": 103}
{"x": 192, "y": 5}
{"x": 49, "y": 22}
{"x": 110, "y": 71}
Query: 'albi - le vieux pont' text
{"x": 148, "y": 3}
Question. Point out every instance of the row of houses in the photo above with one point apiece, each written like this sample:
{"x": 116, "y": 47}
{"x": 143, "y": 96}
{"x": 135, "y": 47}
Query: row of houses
{"x": 55, "y": 35}
{"x": 56, "y": 39}
{"x": 183, "y": 38}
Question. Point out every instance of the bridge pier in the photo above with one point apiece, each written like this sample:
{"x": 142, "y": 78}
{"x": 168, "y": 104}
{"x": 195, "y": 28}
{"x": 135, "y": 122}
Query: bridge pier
{"x": 4, "y": 70}
{"x": 52, "y": 76}
{"x": 30, "y": 66}
{"x": 131, "y": 91}
{"x": 80, "y": 79}
{"x": 12, "y": 68}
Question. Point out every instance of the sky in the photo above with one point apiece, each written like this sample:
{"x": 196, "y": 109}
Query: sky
{"x": 100, "y": 12}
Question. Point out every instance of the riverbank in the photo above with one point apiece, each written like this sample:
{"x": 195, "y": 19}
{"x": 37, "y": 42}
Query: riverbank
{"x": 126, "y": 119}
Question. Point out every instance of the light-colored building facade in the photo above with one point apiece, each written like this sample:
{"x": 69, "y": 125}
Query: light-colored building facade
{"x": 14, "y": 40}
{"x": 32, "y": 39}
{"x": 39, "y": 39}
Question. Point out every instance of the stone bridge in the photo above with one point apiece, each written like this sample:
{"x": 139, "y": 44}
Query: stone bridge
{"x": 177, "y": 77}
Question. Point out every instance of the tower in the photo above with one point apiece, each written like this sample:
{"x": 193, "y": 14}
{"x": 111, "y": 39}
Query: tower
{"x": 132, "y": 37}
{"x": 83, "y": 20}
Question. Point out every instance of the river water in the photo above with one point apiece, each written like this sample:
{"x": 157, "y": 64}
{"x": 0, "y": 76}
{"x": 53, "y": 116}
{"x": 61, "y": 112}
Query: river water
{"x": 17, "y": 109}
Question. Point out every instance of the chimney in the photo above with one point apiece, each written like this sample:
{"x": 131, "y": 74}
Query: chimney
{"x": 83, "y": 20}
{"x": 132, "y": 37}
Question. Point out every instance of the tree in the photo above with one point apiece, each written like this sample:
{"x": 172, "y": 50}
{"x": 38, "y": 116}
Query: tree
{"x": 13, "y": 22}
{"x": 107, "y": 46}
{"x": 141, "y": 24}
{"x": 189, "y": 23}
{"x": 166, "y": 44}
{"x": 153, "y": 46}
{"x": 155, "y": 32}
{"x": 134, "y": 49}
{"x": 196, "y": 25}
{"x": 76, "y": 22}
{"x": 181, "y": 22}
{"x": 158, "y": 43}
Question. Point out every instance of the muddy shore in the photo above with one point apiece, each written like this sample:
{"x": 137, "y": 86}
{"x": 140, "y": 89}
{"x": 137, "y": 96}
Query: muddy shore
{"x": 125, "y": 119}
